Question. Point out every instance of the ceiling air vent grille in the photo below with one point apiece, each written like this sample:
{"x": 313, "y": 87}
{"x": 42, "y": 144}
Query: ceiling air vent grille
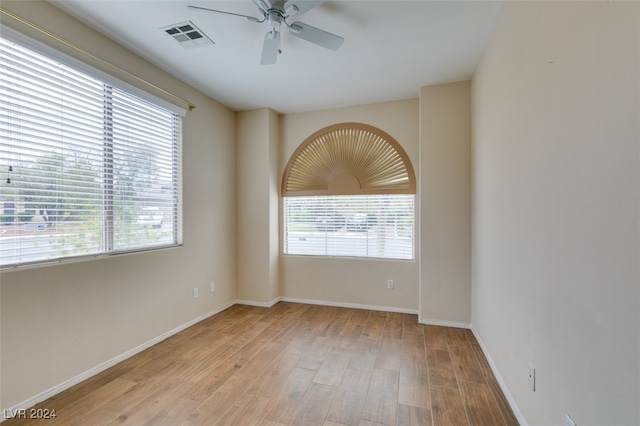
{"x": 187, "y": 35}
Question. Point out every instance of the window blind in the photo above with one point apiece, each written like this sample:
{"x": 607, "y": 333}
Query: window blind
{"x": 86, "y": 167}
{"x": 377, "y": 226}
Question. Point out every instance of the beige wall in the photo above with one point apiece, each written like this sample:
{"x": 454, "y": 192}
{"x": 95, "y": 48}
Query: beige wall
{"x": 556, "y": 211}
{"x": 445, "y": 204}
{"x": 342, "y": 280}
{"x": 60, "y": 321}
{"x": 257, "y": 206}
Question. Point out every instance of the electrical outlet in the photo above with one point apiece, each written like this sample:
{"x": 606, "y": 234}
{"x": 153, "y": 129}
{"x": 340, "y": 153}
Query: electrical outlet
{"x": 196, "y": 294}
{"x": 568, "y": 421}
{"x": 532, "y": 377}
{"x": 212, "y": 287}
{"x": 390, "y": 284}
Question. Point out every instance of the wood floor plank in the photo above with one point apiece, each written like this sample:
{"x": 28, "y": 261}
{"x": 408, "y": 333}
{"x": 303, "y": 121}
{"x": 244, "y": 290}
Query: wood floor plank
{"x": 213, "y": 379}
{"x": 374, "y": 327}
{"x": 350, "y": 397}
{"x": 249, "y": 332}
{"x": 159, "y": 396}
{"x": 132, "y": 403}
{"x": 414, "y": 384}
{"x": 369, "y": 423}
{"x": 393, "y": 327}
{"x": 244, "y": 411}
{"x": 217, "y": 405}
{"x": 382, "y": 398}
{"x": 441, "y": 371}
{"x": 200, "y": 368}
{"x": 465, "y": 364}
{"x": 270, "y": 381}
{"x": 294, "y": 364}
{"x": 410, "y": 324}
{"x": 335, "y": 327}
{"x": 90, "y": 402}
{"x": 363, "y": 354}
{"x": 73, "y": 394}
{"x": 482, "y": 361}
{"x": 480, "y": 405}
{"x": 333, "y": 368}
{"x": 265, "y": 422}
{"x": 435, "y": 337}
{"x": 360, "y": 316}
{"x": 284, "y": 404}
{"x": 503, "y": 405}
{"x": 447, "y": 407}
{"x": 351, "y": 333}
{"x": 413, "y": 416}
{"x": 314, "y": 406}
{"x": 389, "y": 354}
{"x": 456, "y": 336}
{"x": 413, "y": 347}
{"x": 210, "y": 411}
{"x": 176, "y": 414}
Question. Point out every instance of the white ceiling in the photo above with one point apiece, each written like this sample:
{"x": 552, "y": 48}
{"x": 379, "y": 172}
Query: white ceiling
{"x": 391, "y": 48}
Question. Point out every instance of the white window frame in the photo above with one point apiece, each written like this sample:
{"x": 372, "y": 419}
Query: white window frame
{"x": 178, "y": 112}
{"x": 377, "y": 226}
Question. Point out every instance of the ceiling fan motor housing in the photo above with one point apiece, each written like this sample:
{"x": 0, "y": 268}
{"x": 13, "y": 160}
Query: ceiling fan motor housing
{"x": 274, "y": 18}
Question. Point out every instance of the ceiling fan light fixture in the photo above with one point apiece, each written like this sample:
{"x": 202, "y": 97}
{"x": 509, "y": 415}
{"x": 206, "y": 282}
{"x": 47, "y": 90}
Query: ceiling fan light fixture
{"x": 262, "y": 5}
{"x": 290, "y": 9}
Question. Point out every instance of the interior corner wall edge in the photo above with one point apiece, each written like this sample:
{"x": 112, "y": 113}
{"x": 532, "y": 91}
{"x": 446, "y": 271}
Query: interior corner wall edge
{"x": 445, "y": 202}
{"x": 258, "y": 197}
{"x": 556, "y": 214}
{"x": 59, "y": 321}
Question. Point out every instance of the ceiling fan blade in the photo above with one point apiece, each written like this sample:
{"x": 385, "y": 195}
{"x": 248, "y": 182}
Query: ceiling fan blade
{"x": 316, "y": 35}
{"x": 270, "y": 48}
{"x": 249, "y": 18}
{"x": 298, "y": 7}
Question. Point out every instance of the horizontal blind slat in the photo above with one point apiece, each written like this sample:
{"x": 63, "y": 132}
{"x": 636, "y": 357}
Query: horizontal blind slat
{"x": 379, "y": 226}
{"x": 82, "y": 158}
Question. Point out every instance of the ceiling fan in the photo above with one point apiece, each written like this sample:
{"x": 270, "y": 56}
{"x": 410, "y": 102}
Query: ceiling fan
{"x": 276, "y": 13}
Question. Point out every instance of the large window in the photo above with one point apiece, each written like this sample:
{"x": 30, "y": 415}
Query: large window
{"x": 350, "y": 225}
{"x": 86, "y": 168}
{"x": 349, "y": 191}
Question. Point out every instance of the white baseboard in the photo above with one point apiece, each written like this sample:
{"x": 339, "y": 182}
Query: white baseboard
{"x": 256, "y": 303}
{"x": 100, "y": 368}
{"x": 349, "y": 305}
{"x": 500, "y": 380}
{"x": 454, "y": 324}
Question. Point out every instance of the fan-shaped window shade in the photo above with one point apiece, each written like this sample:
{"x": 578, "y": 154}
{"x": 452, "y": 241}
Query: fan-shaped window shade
{"x": 348, "y": 159}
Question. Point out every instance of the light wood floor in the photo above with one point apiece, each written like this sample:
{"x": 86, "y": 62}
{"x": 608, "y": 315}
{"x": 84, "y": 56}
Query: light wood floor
{"x": 294, "y": 364}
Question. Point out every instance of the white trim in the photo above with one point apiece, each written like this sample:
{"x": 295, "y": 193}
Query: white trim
{"x": 113, "y": 361}
{"x": 500, "y": 380}
{"x": 454, "y": 324}
{"x": 256, "y": 303}
{"x": 350, "y": 305}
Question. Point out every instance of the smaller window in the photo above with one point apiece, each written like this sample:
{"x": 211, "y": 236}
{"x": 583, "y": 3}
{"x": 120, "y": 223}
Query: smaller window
{"x": 376, "y": 226}
{"x": 349, "y": 190}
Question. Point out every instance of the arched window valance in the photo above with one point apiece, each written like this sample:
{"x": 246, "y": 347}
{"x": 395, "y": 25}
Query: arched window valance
{"x": 348, "y": 159}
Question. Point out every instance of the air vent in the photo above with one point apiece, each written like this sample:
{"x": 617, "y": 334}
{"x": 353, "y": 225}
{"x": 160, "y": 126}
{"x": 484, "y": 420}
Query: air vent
{"x": 187, "y": 35}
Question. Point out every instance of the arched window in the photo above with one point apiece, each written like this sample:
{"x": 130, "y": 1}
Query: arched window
{"x": 349, "y": 190}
